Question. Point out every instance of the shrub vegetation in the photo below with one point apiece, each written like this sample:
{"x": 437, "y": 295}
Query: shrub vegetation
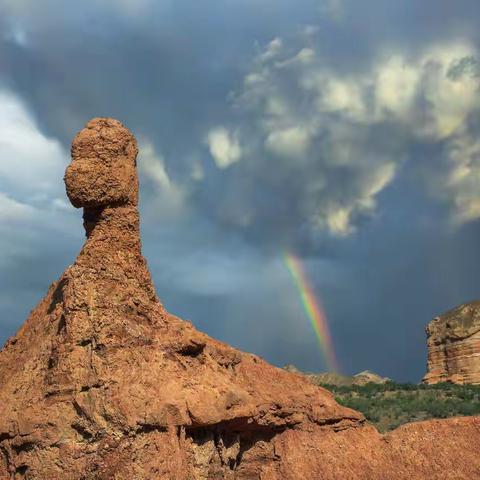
{"x": 390, "y": 405}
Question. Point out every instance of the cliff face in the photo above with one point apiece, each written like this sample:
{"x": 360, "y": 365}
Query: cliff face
{"x": 453, "y": 341}
{"x": 102, "y": 383}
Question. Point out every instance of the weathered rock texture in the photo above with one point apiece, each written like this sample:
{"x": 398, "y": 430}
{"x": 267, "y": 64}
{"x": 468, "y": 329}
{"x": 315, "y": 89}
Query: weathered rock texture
{"x": 454, "y": 346}
{"x": 102, "y": 383}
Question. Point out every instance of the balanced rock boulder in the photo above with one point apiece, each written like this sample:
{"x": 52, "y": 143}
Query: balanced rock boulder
{"x": 101, "y": 382}
{"x": 453, "y": 341}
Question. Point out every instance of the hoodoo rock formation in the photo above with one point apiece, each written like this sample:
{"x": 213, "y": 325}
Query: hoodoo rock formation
{"x": 102, "y": 383}
{"x": 453, "y": 341}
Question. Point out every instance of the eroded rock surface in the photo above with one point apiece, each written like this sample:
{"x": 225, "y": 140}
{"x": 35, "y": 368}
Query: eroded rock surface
{"x": 102, "y": 383}
{"x": 453, "y": 341}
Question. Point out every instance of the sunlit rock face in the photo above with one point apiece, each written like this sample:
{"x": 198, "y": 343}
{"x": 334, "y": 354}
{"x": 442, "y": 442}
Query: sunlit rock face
{"x": 102, "y": 383}
{"x": 453, "y": 341}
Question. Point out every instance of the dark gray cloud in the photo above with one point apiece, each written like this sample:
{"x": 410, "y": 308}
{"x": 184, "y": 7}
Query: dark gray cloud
{"x": 344, "y": 131}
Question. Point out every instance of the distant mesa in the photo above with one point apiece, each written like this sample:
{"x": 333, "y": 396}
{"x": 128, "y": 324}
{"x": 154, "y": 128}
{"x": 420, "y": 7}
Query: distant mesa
{"x": 332, "y": 378}
{"x": 102, "y": 383}
{"x": 453, "y": 341}
{"x": 367, "y": 376}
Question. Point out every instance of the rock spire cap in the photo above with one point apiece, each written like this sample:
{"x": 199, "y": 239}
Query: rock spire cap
{"x": 102, "y": 172}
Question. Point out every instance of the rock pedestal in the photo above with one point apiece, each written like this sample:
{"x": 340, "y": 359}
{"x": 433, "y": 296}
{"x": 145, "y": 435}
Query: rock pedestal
{"x": 101, "y": 382}
{"x": 453, "y": 341}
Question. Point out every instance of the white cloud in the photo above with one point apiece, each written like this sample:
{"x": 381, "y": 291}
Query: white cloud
{"x": 151, "y": 165}
{"x": 397, "y": 83}
{"x": 457, "y": 181}
{"x": 378, "y": 181}
{"x": 316, "y": 124}
{"x": 31, "y": 164}
{"x": 12, "y": 212}
{"x": 337, "y": 216}
{"x": 338, "y": 220}
{"x": 290, "y": 142}
{"x": 224, "y": 147}
{"x": 340, "y": 96}
{"x": 451, "y": 99}
{"x": 272, "y": 50}
{"x": 33, "y": 204}
{"x": 396, "y": 86}
{"x": 305, "y": 56}
{"x": 299, "y": 108}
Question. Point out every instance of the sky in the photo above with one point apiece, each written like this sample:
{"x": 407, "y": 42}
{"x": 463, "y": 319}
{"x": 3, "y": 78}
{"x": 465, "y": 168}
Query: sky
{"x": 344, "y": 133}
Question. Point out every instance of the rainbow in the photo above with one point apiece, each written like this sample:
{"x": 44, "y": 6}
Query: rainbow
{"x": 313, "y": 309}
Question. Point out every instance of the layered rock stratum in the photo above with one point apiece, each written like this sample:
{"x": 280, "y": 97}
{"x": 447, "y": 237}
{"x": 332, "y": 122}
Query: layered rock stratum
{"x": 453, "y": 341}
{"x": 101, "y": 382}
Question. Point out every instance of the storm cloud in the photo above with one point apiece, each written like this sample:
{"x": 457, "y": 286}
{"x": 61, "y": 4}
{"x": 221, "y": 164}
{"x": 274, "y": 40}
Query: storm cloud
{"x": 345, "y": 132}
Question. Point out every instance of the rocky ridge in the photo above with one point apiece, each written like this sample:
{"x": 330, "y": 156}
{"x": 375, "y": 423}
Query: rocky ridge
{"x": 101, "y": 382}
{"x": 332, "y": 378}
{"x": 453, "y": 341}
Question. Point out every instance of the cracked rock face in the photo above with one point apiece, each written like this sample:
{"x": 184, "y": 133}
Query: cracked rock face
{"x": 101, "y": 382}
{"x": 453, "y": 341}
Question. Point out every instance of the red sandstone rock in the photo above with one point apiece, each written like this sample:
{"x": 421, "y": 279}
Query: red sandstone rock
{"x": 102, "y": 383}
{"x": 454, "y": 346}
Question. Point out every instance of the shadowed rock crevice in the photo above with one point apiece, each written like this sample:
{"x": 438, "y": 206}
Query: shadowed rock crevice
{"x": 221, "y": 447}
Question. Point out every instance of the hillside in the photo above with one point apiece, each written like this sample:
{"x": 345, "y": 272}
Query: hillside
{"x": 332, "y": 378}
{"x": 390, "y": 404}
